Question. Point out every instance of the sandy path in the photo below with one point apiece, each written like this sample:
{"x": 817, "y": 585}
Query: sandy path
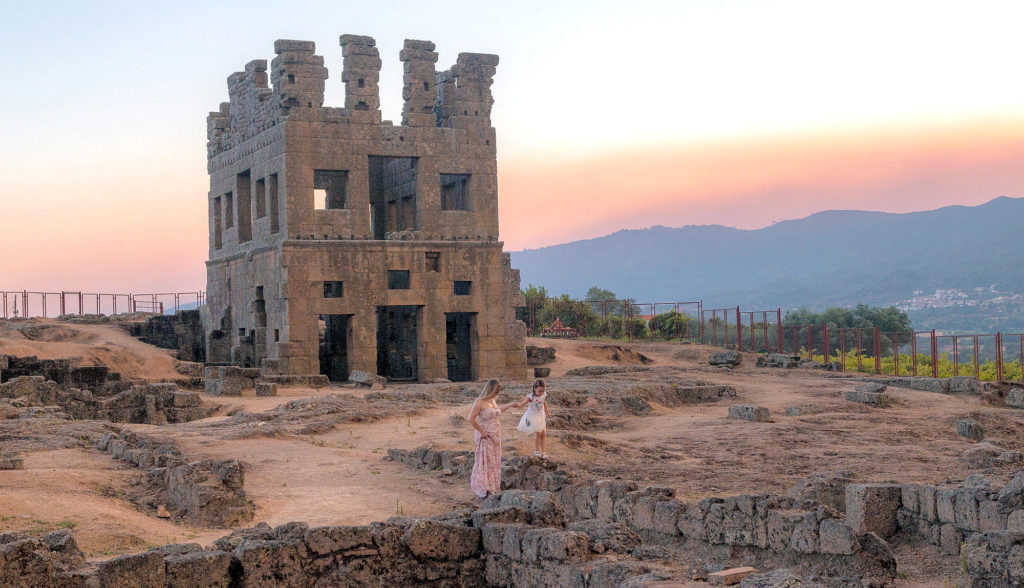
{"x": 72, "y": 488}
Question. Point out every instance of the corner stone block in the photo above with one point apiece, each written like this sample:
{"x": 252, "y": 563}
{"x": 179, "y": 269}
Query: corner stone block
{"x": 836, "y": 538}
{"x": 871, "y": 508}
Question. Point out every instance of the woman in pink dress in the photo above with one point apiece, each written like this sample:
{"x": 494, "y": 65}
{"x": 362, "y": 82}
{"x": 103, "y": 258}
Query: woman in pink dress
{"x": 486, "y": 478}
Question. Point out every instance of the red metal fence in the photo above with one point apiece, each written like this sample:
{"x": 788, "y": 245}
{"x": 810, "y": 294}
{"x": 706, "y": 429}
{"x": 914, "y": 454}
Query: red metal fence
{"x": 996, "y": 356}
{"x": 25, "y": 303}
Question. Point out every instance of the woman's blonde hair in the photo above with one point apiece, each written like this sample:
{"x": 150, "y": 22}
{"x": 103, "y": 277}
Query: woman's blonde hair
{"x": 491, "y": 389}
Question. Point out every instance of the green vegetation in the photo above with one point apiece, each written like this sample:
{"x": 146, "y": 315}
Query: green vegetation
{"x": 946, "y": 367}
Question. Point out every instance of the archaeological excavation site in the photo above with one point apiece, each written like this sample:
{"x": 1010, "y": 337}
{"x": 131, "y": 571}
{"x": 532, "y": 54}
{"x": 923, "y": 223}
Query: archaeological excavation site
{"x": 307, "y": 425}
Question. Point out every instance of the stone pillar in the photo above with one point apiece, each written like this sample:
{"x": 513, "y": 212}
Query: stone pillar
{"x": 420, "y": 78}
{"x": 298, "y": 75}
{"x": 361, "y": 75}
{"x": 474, "y": 75}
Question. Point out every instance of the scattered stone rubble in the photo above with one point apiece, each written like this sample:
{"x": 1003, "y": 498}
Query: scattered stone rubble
{"x": 206, "y": 492}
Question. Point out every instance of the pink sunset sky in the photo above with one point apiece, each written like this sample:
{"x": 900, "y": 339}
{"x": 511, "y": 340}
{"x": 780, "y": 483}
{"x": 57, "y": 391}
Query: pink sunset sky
{"x": 609, "y": 116}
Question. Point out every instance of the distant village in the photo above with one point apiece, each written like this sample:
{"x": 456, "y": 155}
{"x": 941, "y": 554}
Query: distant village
{"x": 980, "y": 296}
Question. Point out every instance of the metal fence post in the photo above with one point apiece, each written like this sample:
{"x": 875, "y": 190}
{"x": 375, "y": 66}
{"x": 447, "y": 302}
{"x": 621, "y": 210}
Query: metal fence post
{"x": 739, "y": 330}
{"x": 824, "y": 339}
{"x": 935, "y": 356}
{"x": 999, "y": 357}
{"x": 778, "y": 328}
{"x": 878, "y": 353}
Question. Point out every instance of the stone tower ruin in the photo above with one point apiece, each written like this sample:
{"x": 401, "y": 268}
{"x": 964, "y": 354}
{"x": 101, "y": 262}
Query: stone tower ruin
{"x": 342, "y": 242}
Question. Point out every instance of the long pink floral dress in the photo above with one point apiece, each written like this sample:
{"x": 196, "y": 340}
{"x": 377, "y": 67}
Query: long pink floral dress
{"x": 487, "y": 460}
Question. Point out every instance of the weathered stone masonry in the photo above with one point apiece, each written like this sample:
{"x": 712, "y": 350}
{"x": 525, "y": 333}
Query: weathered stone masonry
{"x": 341, "y": 242}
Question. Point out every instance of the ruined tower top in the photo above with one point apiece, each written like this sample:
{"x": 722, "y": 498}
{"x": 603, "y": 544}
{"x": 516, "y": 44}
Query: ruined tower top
{"x": 458, "y": 97}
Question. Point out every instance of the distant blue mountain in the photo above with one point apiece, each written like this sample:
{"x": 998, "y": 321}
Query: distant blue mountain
{"x": 837, "y": 257}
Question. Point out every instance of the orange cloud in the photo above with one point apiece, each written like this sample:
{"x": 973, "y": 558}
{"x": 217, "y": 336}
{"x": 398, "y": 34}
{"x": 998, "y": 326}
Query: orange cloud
{"x": 753, "y": 182}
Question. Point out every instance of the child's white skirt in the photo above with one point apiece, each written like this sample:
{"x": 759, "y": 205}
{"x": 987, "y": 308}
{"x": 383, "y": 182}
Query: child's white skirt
{"x": 532, "y": 421}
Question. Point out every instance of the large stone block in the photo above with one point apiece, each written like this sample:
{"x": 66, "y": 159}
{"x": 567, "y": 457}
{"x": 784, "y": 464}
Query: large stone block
{"x": 199, "y": 568}
{"x": 143, "y": 570}
{"x": 750, "y": 413}
{"x": 871, "y": 508}
{"x": 970, "y": 429}
{"x": 442, "y": 541}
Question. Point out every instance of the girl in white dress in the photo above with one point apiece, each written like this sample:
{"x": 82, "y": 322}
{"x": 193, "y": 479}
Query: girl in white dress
{"x": 535, "y": 419}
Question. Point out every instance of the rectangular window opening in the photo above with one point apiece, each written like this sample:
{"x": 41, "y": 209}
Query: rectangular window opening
{"x": 433, "y": 261}
{"x": 277, "y": 335}
{"x": 398, "y": 279}
{"x": 217, "y": 227}
{"x": 275, "y": 219}
{"x": 455, "y": 192}
{"x": 463, "y": 287}
{"x": 393, "y": 198}
{"x": 329, "y": 187}
{"x": 243, "y": 187}
{"x": 334, "y": 289}
{"x": 260, "y": 197}
{"x": 229, "y": 210}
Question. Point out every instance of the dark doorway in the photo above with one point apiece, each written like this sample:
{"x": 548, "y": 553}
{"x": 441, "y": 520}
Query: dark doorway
{"x": 396, "y": 342}
{"x": 459, "y": 345}
{"x": 334, "y": 335}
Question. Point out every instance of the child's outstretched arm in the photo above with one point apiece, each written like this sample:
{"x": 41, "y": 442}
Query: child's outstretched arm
{"x": 547, "y": 412}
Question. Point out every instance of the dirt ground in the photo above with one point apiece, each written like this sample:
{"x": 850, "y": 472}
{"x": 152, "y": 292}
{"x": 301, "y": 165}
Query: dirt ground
{"x": 338, "y": 474}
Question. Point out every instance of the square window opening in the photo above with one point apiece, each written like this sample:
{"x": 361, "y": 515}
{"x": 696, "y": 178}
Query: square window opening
{"x": 329, "y": 189}
{"x": 433, "y": 261}
{"x": 463, "y": 287}
{"x": 334, "y": 289}
{"x": 455, "y": 192}
{"x": 398, "y": 279}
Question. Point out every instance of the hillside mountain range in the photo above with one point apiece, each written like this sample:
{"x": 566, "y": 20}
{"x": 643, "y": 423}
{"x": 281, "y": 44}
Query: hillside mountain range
{"x": 831, "y": 258}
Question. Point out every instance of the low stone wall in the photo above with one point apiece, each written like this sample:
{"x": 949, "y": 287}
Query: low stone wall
{"x": 154, "y": 404}
{"x": 954, "y": 385}
{"x": 460, "y": 463}
{"x": 765, "y": 530}
{"x": 947, "y": 515}
{"x": 206, "y": 492}
{"x": 65, "y": 372}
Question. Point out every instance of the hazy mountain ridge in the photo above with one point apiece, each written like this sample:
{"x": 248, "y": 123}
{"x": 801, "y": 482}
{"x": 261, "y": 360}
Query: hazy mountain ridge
{"x": 830, "y": 258}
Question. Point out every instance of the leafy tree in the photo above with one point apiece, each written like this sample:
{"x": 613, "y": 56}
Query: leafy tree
{"x": 670, "y": 324}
